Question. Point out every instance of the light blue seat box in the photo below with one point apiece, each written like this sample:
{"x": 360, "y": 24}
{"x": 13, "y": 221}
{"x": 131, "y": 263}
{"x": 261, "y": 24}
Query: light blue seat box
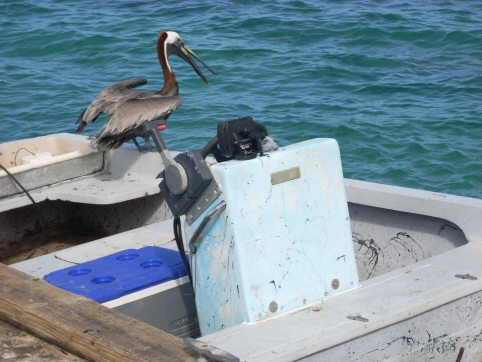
{"x": 284, "y": 240}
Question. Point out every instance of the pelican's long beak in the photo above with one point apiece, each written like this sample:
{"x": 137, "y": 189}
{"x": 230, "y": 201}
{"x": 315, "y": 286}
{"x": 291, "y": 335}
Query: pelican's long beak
{"x": 182, "y": 50}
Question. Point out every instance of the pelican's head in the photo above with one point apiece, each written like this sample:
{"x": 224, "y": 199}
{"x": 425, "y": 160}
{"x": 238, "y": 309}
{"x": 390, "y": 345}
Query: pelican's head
{"x": 173, "y": 44}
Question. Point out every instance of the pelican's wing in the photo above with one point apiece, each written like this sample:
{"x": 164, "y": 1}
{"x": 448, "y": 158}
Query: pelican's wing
{"x": 133, "y": 112}
{"x": 107, "y": 99}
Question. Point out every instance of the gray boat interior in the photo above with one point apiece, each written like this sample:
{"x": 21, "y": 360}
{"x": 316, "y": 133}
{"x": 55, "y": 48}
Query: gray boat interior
{"x": 409, "y": 244}
{"x": 384, "y": 238}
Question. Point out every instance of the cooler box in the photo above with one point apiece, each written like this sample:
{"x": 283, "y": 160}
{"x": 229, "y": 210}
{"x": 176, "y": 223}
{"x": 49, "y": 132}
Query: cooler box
{"x": 119, "y": 274}
{"x": 148, "y": 284}
{"x": 282, "y": 242}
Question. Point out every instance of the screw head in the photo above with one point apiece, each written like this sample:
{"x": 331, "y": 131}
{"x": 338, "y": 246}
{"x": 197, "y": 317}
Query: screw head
{"x": 335, "y": 283}
{"x": 273, "y": 307}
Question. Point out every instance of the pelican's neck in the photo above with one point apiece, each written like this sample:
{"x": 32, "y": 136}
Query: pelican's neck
{"x": 170, "y": 87}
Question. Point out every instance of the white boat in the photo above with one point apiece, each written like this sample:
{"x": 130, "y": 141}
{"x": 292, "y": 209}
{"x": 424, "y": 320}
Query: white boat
{"x": 415, "y": 292}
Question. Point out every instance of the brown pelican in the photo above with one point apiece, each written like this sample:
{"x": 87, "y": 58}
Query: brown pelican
{"x": 128, "y": 109}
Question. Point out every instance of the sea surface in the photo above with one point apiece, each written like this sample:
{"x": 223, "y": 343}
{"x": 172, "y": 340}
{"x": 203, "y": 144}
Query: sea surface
{"x": 397, "y": 83}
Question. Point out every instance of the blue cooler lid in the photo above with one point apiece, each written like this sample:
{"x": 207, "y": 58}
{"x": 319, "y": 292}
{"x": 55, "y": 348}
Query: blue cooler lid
{"x": 116, "y": 275}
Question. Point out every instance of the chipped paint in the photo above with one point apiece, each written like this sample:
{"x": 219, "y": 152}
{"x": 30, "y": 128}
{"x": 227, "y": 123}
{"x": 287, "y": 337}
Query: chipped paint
{"x": 282, "y": 243}
{"x": 439, "y": 335}
{"x": 386, "y": 240}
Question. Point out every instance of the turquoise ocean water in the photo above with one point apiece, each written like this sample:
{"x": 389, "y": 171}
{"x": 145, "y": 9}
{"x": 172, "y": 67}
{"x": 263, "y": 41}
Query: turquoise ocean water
{"x": 397, "y": 83}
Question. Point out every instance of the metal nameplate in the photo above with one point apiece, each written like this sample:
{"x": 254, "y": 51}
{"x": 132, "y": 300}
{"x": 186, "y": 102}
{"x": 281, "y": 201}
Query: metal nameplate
{"x": 211, "y": 193}
{"x": 285, "y": 175}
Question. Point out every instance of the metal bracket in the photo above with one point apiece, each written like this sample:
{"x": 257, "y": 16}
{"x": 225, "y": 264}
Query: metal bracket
{"x": 466, "y": 276}
{"x": 208, "y": 352}
{"x": 208, "y": 196}
{"x": 211, "y": 215}
{"x": 358, "y": 318}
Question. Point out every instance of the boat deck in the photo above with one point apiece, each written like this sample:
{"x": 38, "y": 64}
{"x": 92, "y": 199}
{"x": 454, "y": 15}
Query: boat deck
{"x": 127, "y": 177}
{"x": 414, "y": 301}
{"x": 431, "y": 288}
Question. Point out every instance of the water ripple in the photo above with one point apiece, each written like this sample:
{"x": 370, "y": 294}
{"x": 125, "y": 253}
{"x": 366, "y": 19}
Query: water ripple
{"x": 397, "y": 85}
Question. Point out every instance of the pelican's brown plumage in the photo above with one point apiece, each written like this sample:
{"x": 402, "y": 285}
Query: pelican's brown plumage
{"x": 128, "y": 109}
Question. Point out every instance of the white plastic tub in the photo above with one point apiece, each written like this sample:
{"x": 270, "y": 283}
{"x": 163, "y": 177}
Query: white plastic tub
{"x": 46, "y": 160}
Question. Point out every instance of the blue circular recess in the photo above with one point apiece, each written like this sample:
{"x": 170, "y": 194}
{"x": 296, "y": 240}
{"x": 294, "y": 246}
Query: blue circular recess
{"x": 79, "y": 272}
{"x": 126, "y": 257}
{"x": 152, "y": 264}
{"x": 103, "y": 280}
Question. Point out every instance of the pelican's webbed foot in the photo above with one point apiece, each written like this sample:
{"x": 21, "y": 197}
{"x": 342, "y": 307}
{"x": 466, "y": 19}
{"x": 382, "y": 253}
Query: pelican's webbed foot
{"x": 148, "y": 143}
{"x": 141, "y": 149}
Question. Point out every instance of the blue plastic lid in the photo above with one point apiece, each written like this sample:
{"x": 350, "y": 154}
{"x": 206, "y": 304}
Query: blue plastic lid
{"x": 119, "y": 274}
